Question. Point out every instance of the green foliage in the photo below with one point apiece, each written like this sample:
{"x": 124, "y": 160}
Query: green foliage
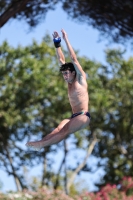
{"x": 28, "y": 10}
{"x": 109, "y": 17}
{"x": 112, "y": 18}
{"x": 112, "y": 111}
{"x": 33, "y": 100}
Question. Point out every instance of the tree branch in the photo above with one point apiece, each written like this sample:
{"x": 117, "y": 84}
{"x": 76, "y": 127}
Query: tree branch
{"x": 62, "y": 163}
{"x": 17, "y": 181}
{"x": 78, "y": 169}
{"x": 14, "y": 9}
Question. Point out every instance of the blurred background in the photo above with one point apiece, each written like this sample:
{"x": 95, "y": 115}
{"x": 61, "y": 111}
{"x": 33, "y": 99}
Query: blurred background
{"x": 33, "y": 95}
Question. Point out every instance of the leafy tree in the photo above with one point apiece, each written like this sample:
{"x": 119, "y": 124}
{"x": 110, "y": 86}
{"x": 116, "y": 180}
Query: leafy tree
{"x": 30, "y": 10}
{"x": 112, "y": 111}
{"x": 28, "y": 92}
{"x": 113, "y": 18}
{"x": 33, "y": 102}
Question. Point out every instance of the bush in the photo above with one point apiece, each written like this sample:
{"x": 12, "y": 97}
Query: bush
{"x": 108, "y": 192}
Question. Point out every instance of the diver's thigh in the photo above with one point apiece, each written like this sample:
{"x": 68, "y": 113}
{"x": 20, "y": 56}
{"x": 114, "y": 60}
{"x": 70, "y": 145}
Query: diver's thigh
{"x": 77, "y": 123}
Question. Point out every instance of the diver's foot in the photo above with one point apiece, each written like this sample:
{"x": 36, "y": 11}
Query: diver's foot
{"x": 36, "y": 146}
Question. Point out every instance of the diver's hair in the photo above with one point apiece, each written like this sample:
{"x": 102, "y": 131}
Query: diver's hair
{"x": 67, "y": 66}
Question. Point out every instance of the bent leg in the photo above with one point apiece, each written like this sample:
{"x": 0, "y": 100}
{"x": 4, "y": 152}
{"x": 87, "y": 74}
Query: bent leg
{"x": 65, "y": 128}
{"x": 39, "y": 144}
{"x": 60, "y": 126}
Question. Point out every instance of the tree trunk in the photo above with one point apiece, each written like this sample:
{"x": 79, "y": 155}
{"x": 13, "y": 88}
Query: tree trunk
{"x": 16, "y": 179}
{"x": 90, "y": 149}
{"x": 44, "y": 171}
{"x": 65, "y": 167}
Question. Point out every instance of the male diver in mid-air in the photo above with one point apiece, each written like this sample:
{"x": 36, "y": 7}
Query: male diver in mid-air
{"x": 75, "y": 77}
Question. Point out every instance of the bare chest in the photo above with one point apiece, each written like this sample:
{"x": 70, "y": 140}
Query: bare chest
{"x": 76, "y": 92}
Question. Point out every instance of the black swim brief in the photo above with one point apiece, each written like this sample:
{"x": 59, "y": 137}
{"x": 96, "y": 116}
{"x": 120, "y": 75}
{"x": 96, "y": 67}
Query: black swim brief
{"x": 81, "y": 113}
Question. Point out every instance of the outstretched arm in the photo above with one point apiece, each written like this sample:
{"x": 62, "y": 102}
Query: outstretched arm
{"x": 59, "y": 52}
{"x": 73, "y": 56}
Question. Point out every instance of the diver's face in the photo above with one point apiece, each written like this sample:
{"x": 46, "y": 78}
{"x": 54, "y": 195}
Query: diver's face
{"x": 68, "y": 76}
